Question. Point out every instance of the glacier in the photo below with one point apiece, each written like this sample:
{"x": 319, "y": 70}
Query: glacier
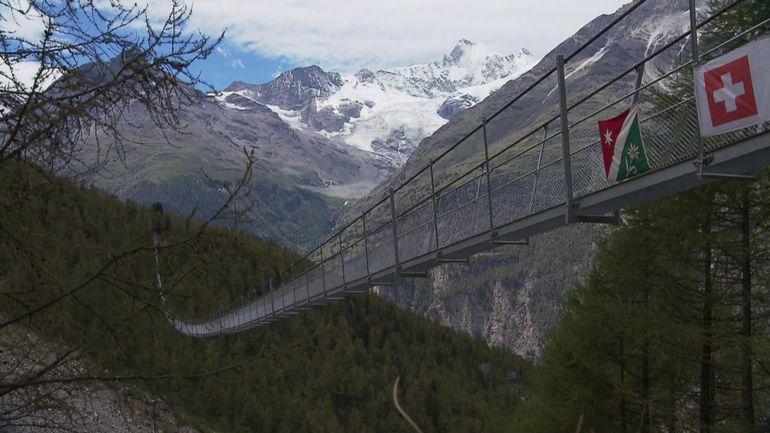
{"x": 387, "y": 112}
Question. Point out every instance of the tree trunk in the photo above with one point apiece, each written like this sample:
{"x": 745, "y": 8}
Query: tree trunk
{"x": 646, "y": 405}
{"x": 645, "y": 394}
{"x": 623, "y": 416}
{"x": 746, "y": 331}
{"x": 706, "y": 373}
{"x": 671, "y": 406}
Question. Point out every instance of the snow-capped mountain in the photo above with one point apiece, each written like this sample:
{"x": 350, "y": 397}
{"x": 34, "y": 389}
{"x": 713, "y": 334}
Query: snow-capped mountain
{"x": 387, "y": 112}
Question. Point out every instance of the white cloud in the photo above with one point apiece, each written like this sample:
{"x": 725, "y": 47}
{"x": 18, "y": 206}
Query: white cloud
{"x": 25, "y": 73}
{"x": 237, "y": 63}
{"x": 22, "y": 21}
{"x": 224, "y": 52}
{"x": 346, "y": 35}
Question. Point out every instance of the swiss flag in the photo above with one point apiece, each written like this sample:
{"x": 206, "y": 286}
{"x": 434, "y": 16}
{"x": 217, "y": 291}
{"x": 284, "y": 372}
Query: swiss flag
{"x": 730, "y": 92}
{"x": 733, "y": 90}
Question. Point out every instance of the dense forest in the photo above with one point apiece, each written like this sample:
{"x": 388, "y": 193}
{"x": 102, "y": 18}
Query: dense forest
{"x": 76, "y": 265}
{"x": 670, "y": 332}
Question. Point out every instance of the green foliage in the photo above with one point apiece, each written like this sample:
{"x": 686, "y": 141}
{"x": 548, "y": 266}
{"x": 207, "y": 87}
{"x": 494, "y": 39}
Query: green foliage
{"x": 290, "y": 215}
{"x": 330, "y": 369}
{"x": 664, "y": 291}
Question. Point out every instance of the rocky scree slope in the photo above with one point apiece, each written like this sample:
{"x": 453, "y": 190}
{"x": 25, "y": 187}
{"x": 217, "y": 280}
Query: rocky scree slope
{"x": 300, "y": 180}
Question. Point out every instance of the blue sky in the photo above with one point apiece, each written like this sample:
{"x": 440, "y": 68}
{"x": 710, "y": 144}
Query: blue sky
{"x": 264, "y": 39}
{"x": 228, "y": 64}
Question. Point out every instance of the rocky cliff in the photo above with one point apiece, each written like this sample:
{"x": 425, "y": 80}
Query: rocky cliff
{"x": 511, "y": 296}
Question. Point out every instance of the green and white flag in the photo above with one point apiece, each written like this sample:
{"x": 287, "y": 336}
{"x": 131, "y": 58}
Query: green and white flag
{"x": 622, "y": 146}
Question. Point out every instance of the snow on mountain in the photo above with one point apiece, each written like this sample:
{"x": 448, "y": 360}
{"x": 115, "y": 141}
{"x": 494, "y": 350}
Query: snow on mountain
{"x": 468, "y": 65}
{"x": 387, "y": 112}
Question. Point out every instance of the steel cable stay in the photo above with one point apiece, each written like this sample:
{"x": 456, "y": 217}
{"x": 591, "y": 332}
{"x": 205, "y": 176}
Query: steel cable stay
{"x": 538, "y": 176}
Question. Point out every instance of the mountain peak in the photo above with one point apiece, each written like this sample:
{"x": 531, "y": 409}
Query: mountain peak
{"x": 465, "y": 42}
{"x": 311, "y": 76}
{"x": 461, "y": 49}
{"x": 237, "y": 85}
{"x": 292, "y": 89}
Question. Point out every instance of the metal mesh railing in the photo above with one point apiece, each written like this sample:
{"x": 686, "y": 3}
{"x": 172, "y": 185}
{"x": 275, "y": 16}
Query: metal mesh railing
{"x": 514, "y": 166}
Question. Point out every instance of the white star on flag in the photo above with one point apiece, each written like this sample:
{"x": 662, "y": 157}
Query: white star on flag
{"x": 633, "y": 152}
{"x": 608, "y": 137}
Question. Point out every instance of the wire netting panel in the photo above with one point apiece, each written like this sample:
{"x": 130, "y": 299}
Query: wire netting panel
{"x": 411, "y": 194}
{"x": 464, "y": 157}
{"x": 381, "y": 249}
{"x": 416, "y": 231}
{"x": 315, "y": 283}
{"x": 261, "y": 307}
{"x": 333, "y": 268}
{"x": 512, "y": 198}
{"x": 463, "y": 211}
{"x": 355, "y": 261}
{"x": 549, "y": 190}
{"x": 296, "y": 289}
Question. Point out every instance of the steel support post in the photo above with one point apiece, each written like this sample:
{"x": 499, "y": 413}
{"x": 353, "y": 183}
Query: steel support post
{"x": 489, "y": 181}
{"x": 393, "y": 227}
{"x": 567, "y": 160}
{"x": 701, "y": 161}
{"x": 272, "y": 297}
{"x": 323, "y": 271}
{"x": 366, "y": 246}
{"x": 342, "y": 259}
{"x": 435, "y": 205}
{"x": 307, "y": 287}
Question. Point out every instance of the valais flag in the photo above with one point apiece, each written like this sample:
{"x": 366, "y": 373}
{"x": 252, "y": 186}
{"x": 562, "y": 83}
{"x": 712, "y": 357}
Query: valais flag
{"x": 733, "y": 90}
{"x": 622, "y": 146}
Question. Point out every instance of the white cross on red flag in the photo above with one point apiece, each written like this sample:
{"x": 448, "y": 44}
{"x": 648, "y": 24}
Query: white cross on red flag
{"x": 733, "y": 90}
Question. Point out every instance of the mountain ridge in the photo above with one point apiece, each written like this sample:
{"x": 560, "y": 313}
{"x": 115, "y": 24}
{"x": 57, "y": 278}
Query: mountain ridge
{"x": 387, "y": 111}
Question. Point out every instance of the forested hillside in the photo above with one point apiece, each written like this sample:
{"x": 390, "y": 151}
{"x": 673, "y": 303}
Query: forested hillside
{"x": 670, "y": 332}
{"x": 76, "y": 265}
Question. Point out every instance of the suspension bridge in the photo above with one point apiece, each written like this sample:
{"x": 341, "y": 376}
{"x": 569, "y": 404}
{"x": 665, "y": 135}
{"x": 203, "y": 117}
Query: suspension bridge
{"x": 506, "y": 180}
